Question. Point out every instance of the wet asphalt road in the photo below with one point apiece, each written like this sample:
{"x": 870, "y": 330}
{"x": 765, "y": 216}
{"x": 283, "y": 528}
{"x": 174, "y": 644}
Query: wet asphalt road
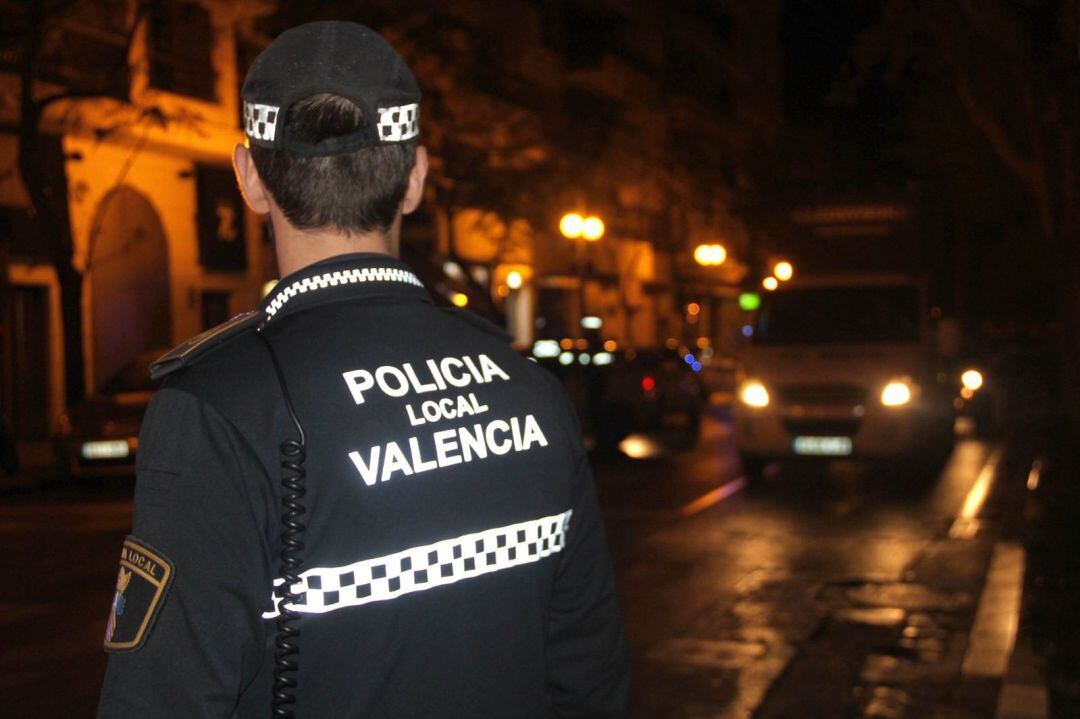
{"x": 817, "y": 591}
{"x": 830, "y": 590}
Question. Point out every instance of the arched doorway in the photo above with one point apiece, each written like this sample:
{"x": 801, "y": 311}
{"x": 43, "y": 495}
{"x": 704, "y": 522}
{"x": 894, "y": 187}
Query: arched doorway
{"x": 128, "y": 270}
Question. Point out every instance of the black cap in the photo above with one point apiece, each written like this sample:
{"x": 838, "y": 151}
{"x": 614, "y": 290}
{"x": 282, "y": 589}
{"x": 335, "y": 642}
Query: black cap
{"x": 342, "y": 58}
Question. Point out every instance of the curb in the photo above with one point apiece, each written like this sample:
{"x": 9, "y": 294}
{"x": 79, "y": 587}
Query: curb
{"x": 1023, "y": 692}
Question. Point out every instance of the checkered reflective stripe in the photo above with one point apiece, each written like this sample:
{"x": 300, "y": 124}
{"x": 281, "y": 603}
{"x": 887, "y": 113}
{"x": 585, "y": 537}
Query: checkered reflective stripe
{"x": 399, "y": 123}
{"x": 260, "y": 121}
{"x": 343, "y": 277}
{"x": 428, "y": 566}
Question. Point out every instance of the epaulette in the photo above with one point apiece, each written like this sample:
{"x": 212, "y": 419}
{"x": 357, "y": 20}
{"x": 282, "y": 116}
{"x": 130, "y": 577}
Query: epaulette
{"x": 185, "y": 354}
{"x": 480, "y": 323}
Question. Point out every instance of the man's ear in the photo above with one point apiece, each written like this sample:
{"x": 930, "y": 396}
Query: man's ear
{"x": 251, "y": 185}
{"x": 415, "y": 191}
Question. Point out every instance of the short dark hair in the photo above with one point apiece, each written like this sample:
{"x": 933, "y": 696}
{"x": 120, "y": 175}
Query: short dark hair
{"x": 356, "y": 192}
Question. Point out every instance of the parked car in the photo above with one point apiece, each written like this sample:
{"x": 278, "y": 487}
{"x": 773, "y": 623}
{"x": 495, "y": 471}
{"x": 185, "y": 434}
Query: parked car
{"x": 99, "y": 437}
{"x": 628, "y": 393}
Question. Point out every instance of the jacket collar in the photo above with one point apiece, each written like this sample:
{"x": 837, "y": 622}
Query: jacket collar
{"x": 359, "y": 275}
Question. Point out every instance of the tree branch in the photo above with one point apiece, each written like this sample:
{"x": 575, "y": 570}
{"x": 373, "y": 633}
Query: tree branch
{"x": 1025, "y": 168}
{"x": 44, "y": 102}
{"x": 86, "y": 94}
{"x": 52, "y": 10}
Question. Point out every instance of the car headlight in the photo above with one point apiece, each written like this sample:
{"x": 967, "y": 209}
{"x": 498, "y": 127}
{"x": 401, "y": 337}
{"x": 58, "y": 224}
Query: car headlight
{"x": 753, "y": 394}
{"x": 896, "y": 394}
{"x": 972, "y": 379}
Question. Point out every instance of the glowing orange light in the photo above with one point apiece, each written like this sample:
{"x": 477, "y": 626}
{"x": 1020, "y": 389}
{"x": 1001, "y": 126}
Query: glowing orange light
{"x": 572, "y": 225}
{"x": 972, "y": 379}
{"x": 710, "y": 255}
{"x": 592, "y": 229}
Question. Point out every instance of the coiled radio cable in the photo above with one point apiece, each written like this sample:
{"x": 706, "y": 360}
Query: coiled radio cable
{"x": 286, "y": 647}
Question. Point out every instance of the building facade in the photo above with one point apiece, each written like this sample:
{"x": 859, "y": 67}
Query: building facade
{"x": 159, "y": 230}
{"x": 649, "y": 116}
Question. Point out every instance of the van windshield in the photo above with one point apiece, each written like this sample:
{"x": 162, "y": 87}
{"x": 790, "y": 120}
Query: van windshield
{"x": 839, "y": 315}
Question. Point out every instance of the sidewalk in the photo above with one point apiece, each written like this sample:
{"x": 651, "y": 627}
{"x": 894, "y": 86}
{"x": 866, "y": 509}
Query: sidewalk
{"x": 1047, "y": 660}
{"x": 1023, "y": 694}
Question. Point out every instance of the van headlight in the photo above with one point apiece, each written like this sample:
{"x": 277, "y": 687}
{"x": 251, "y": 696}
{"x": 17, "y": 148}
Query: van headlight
{"x": 896, "y": 394}
{"x": 753, "y": 394}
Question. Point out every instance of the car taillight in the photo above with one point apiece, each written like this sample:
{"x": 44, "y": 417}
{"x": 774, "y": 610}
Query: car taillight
{"x": 648, "y": 384}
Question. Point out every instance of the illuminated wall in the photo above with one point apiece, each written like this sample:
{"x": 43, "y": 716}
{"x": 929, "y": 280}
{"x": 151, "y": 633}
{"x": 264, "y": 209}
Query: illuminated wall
{"x": 134, "y": 174}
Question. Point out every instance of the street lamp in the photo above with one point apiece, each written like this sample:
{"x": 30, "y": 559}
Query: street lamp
{"x": 514, "y": 280}
{"x": 710, "y": 255}
{"x": 588, "y": 229}
{"x": 770, "y": 283}
{"x": 783, "y": 271}
{"x": 572, "y": 225}
{"x": 592, "y": 229}
{"x": 972, "y": 379}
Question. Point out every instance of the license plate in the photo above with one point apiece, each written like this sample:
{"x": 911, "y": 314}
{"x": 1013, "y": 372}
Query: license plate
{"x": 828, "y": 446}
{"x": 106, "y": 449}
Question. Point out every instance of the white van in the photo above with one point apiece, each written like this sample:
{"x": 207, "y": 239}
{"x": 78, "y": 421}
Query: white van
{"x": 841, "y": 367}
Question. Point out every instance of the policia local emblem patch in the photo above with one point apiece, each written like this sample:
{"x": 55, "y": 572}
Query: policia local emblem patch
{"x": 144, "y": 578}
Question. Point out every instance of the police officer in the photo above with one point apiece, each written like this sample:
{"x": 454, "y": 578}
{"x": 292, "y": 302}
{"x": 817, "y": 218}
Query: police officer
{"x": 352, "y": 503}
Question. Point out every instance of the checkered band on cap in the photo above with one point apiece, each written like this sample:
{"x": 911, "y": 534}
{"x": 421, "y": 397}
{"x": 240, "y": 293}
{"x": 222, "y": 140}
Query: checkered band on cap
{"x": 260, "y": 121}
{"x": 327, "y": 589}
{"x": 399, "y": 123}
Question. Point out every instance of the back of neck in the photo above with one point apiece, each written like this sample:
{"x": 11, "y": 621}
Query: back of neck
{"x": 297, "y": 249}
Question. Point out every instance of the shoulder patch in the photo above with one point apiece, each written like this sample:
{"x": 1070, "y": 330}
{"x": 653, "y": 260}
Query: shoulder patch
{"x": 186, "y": 353}
{"x": 480, "y": 323}
{"x": 141, "y": 585}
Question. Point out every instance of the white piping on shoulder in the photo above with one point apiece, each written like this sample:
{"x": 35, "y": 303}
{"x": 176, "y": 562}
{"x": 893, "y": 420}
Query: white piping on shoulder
{"x": 343, "y": 277}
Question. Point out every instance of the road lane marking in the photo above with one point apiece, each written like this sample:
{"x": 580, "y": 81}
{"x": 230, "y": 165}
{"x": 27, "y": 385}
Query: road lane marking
{"x": 993, "y": 634}
{"x": 712, "y": 497}
{"x": 1035, "y": 474}
{"x": 966, "y": 524}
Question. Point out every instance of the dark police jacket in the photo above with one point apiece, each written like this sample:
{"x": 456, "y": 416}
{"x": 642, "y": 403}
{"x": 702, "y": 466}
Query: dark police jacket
{"x": 455, "y": 563}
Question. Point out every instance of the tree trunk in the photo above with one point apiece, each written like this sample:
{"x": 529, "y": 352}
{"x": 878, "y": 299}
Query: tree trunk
{"x": 1070, "y": 305}
{"x": 71, "y": 292}
{"x": 53, "y": 234}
